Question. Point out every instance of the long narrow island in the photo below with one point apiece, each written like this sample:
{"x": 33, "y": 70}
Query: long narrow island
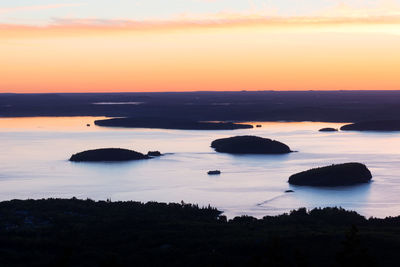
{"x": 170, "y": 123}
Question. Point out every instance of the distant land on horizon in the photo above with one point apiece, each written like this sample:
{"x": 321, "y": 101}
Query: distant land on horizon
{"x": 328, "y": 106}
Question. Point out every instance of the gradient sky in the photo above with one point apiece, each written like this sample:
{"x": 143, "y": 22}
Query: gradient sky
{"x": 187, "y": 45}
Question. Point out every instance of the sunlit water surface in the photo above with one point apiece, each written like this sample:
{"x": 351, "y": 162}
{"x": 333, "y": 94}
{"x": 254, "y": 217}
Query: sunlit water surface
{"x": 35, "y": 151}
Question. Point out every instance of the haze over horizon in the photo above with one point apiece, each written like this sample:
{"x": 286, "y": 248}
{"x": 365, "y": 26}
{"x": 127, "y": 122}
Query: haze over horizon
{"x": 198, "y": 45}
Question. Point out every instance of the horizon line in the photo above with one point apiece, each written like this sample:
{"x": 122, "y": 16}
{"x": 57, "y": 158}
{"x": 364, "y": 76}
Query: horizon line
{"x": 201, "y": 91}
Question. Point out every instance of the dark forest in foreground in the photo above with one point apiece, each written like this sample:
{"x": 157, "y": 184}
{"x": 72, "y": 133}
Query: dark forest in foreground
{"x": 329, "y": 106}
{"x": 61, "y": 232}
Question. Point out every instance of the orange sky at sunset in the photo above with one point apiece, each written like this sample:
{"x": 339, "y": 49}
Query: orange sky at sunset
{"x": 249, "y": 54}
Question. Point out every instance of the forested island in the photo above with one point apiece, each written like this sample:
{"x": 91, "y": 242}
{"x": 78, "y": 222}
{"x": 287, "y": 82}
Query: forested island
{"x": 248, "y": 144}
{"x": 108, "y": 154}
{"x": 334, "y": 175}
{"x": 170, "y": 123}
{"x": 72, "y": 232}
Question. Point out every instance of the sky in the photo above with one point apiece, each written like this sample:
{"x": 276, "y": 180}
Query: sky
{"x": 198, "y": 45}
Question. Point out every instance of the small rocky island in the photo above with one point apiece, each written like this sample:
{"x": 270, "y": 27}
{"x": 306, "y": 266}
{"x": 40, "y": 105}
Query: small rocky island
{"x": 249, "y": 145}
{"x": 154, "y": 154}
{"x": 378, "y": 125}
{"x": 168, "y": 123}
{"x": 333, "y": 175}
{"x": 107, "y": 154}
{"x": 328, "y": 130}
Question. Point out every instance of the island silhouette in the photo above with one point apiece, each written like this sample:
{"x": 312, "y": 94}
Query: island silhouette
{"x": 154, "y": 154}
{"x": 328, "y": 129}
{"x": 249, "y": 144}
{"x": 170, "y": 123}
{"x": 334, "y": 175}
{"x": 108, "y": 154}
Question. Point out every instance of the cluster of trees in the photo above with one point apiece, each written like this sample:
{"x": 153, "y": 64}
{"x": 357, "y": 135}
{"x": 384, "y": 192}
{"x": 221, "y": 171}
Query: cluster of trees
{"x": 72, "y": 232}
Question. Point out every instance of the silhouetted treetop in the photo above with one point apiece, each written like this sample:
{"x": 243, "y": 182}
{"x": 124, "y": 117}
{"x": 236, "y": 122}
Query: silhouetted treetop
{"x": 73, "y": 232}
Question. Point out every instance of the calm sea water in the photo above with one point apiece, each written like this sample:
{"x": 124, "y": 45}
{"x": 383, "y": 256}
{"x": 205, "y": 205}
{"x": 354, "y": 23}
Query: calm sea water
{"x": 34, "y": 163}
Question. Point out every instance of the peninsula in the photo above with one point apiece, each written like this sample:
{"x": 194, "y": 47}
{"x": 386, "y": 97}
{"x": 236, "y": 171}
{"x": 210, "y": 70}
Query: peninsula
{"x": 378, "y": 125}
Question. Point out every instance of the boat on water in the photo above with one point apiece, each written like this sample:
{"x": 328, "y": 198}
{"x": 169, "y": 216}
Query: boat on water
{"x": 216, "y": 172}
